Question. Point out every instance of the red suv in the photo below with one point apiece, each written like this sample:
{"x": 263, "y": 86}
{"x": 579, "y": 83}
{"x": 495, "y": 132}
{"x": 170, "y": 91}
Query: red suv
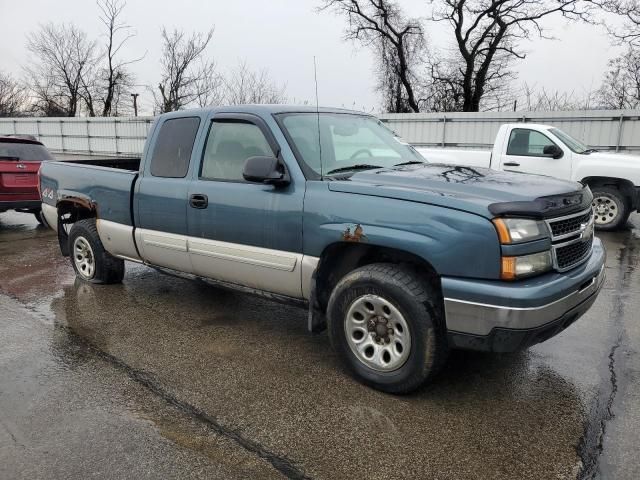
{"x": 20, "y": 159}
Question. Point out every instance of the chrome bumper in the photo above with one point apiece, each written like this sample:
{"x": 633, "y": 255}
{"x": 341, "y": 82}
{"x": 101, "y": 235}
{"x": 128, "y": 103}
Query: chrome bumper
{"x": 478, "y": 318}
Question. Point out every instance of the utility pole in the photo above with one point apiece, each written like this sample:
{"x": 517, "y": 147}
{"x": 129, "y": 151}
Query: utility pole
{"x": 135, "y": 104}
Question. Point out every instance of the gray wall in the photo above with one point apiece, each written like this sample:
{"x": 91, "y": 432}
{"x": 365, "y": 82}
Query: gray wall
{"x": 602, "y": 129}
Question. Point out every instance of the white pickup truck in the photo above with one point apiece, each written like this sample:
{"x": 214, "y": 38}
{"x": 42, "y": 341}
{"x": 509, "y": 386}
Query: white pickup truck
{"x": 613, "y": 178}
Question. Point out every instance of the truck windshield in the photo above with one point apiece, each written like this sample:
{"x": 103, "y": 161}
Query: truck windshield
{"x": 576, "y": 146}
{"x": 10, "y": 150}
{"x": 347, "y": 142}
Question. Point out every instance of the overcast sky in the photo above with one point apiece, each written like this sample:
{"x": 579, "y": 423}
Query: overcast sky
{"x": 284, "y": 35}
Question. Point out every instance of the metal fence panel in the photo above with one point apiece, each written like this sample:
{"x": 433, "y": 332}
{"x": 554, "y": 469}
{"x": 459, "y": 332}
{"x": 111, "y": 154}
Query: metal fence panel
{"x": 122, "y": 136}
{"x": 601, "y": 129}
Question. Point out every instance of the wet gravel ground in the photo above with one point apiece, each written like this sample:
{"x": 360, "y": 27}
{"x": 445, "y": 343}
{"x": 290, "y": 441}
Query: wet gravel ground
{"x": 163, "y": 377}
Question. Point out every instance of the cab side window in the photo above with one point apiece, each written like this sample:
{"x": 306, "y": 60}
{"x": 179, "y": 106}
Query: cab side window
{"x": 229, "y": 144}
{"x": 172, "y": 151}
{"x": 528, "y": 143}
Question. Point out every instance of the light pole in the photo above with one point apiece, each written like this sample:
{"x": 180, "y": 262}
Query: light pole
{"x": 135, "y": 103}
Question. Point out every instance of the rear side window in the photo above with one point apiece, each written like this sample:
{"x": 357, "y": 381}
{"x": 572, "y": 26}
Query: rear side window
{"x": 528, "y": 143}
{"x": 24, "y": 151}
{"x": 172, "y": 151}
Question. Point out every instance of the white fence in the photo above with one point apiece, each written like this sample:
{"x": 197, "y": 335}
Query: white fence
{"x": 617, "y": 130}
{"x": 122, "y": 136}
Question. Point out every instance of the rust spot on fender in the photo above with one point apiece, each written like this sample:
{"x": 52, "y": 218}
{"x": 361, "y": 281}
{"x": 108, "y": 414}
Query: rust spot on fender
{"x": 357, "y": 235}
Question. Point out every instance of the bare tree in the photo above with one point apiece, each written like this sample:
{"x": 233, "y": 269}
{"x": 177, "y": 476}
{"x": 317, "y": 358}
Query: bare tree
{"x": 487, "y": 35}
{"x": 13, "y": 96}
{"x": 186, "y": 75}
{"x": 533, "y": 98}
{"x": 621, "y": 84}
{"x": 398, "y": 43}
{"x": 246, "y": 86}
{"x": 62, "y": 58}
{"x": 115, "y": 80}
{"x": 629, "y": 11}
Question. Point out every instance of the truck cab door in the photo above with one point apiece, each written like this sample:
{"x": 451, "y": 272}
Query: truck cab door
{"x": 525, "y": 152}
{"x": 161, "y": 195}
{"x": 241, "y": 232}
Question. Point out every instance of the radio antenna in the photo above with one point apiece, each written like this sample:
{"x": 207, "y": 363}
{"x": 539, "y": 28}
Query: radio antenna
{"x": 315, "y": 76}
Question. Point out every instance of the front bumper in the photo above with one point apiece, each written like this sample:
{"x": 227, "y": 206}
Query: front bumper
{"x": 503, "y": 317}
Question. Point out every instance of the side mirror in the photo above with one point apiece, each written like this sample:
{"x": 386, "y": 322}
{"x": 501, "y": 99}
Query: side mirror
{"x": 553, "y": 151}
{"x": 268, "y": 170}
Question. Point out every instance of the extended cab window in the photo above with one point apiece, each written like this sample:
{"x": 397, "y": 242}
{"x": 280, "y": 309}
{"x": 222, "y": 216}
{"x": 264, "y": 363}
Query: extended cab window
{"x": 172, "y": 151}
{"x": 229, "y": 144}
{"x": 528, "y": 143}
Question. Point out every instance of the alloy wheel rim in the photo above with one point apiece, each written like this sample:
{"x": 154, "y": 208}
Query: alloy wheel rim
{"x": 377, "y": 333}
{"x": 606, "y": 209}
{"x": 83, "y": 258}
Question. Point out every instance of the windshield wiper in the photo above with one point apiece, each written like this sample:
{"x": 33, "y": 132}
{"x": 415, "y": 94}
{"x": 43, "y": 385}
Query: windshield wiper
{"x": 410, "y": 162}
{"x": 359, "y": 166}
{"x": 590, "y": 150}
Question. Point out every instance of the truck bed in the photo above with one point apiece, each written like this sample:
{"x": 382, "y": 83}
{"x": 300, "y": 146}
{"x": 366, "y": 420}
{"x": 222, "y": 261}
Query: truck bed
{"x": 105, "y": 184}
{"x": 473, "y": 158}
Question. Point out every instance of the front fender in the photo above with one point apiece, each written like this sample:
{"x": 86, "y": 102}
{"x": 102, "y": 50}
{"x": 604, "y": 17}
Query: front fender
{"x": 454, "y": 242}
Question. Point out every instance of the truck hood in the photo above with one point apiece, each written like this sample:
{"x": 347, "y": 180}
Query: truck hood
{"x": 477, "y": 190}
{"x": 607, "y": 164}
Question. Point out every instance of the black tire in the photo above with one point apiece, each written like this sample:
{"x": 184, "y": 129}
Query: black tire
{"x": 420, "y": 305}
{"x": 106, "y": 268}
{"x": 618, "y": 206}
{"x": 40, "y": 218}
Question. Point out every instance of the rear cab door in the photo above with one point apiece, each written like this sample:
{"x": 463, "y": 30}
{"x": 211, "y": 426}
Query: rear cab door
{"x": 161, "y": 193}
{"x": 523, "y": 151}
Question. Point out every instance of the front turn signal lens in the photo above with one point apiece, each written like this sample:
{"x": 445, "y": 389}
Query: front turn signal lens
{"x": 508, "y": 270}
{"x": 503, "y": 231}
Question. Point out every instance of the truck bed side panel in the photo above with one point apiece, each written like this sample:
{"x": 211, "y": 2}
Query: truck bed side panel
{"x": 107, "y": 190}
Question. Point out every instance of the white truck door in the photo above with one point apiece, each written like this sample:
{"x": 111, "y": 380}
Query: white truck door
{"x": 525, "y": 152}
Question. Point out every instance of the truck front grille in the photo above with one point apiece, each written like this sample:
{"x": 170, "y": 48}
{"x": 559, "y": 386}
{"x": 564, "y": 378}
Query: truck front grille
{"x": 570, "y": 225}
{"x": 571, "y": 239}
{"x": 573, "y": 254}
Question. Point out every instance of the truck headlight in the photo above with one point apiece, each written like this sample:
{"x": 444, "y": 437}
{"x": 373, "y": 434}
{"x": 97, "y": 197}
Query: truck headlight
{"x": 516, "y": 230}
{"x": 514, "y": 268}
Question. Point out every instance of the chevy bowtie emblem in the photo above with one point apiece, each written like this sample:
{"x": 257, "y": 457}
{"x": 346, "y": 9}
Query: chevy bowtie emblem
{"x": 21, "y": 165}
{"x": 586, "y": 229}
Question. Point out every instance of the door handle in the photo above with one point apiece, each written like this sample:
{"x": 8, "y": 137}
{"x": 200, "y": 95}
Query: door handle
{"x": 198, "y": 200}
{"x": 511, "y": 164}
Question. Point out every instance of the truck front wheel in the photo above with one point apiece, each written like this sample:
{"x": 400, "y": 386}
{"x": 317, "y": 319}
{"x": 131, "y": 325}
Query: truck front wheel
{"x": 386, "y": 325}
{"x": 611, "y": 208}
{"x": 91, "y": 262}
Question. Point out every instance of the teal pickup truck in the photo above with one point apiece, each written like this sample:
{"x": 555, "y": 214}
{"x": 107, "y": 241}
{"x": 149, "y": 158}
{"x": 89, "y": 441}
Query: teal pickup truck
{"x": 400, "y": 259}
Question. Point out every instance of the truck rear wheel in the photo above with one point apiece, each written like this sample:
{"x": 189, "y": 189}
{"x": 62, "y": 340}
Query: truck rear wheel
{"x": 611, "y": 208}
{"x": 387, "y": 326}
{"x": 91, "y": 262}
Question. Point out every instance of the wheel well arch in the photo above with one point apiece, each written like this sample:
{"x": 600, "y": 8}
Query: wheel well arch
{"x": 69, "y": 212}
{"x": 625, "y": 186}
{"x": 340, "y": 258}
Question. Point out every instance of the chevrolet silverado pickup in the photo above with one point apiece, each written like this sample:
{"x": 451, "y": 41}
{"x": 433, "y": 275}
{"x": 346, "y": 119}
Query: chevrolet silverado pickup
{"x": 614, "y": 178}
{"x": 399, "y": 259}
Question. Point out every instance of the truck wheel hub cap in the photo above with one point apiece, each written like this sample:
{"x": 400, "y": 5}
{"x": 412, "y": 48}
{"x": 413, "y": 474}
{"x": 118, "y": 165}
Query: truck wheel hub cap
{"x": 83, "y": 257}
{"x": 606, "y": 210}
{"x": 377, "y": 333}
